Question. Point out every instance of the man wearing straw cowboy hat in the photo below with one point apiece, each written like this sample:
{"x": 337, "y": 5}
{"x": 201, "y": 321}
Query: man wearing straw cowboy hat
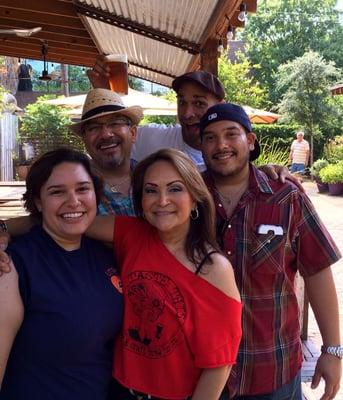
{"x": 108, "y": 129}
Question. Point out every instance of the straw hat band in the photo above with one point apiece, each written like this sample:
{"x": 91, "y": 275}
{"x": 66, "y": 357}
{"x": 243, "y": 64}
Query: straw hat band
{"x": 100, "y": 110}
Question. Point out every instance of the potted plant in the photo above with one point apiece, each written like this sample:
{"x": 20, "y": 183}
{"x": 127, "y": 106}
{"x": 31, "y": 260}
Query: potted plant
{"x": 317, "y": 166}
{"x": 332, "y": 174}
{"x": 21, "y": 168}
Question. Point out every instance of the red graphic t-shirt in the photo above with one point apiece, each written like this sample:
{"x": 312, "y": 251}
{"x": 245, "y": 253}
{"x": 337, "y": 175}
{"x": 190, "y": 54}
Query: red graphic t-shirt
{"x": 176, "y": 323}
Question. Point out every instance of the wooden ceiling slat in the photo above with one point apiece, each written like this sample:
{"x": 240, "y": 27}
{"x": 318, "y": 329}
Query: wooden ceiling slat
{"x": 55, "y": 58}
{"x": 18, "y": 44}
{"x": 53, "y": 7}
{"x": 52, "y": 45}
{"x": 66, "y": 35}
{"x": 38, "y": 18}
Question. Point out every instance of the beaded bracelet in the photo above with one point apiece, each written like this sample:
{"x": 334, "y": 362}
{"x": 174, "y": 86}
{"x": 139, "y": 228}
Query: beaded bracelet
{"x": 3, "y": 226}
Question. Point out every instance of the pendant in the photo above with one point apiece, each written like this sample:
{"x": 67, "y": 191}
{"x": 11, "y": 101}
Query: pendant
{"x": 114, "y": 189}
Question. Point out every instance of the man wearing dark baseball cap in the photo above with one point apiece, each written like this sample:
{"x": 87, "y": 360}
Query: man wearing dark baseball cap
{"x": 269, "y": 231}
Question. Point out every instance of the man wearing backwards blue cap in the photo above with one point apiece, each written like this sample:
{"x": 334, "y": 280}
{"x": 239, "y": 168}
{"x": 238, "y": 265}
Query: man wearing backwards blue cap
{"x": 269, "y": 231}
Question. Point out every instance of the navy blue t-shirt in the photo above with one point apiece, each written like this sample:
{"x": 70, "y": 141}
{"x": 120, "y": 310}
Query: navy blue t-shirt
{"x": 73, "y": 311}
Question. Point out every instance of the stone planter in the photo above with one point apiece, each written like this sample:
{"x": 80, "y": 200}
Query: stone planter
{"x": 336, "y": 189}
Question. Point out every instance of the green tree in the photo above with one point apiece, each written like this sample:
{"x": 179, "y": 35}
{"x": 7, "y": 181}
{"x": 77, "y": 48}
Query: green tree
{"x": 240, "y": 86}
{"x": 46, "y": 127}
{"x": 78, "y": 80}
{"x": 283, "y": 30}
{"x": 136, "y": 83}
{"x": 306, "y": 100}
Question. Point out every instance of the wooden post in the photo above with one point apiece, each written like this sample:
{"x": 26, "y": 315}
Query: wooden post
{"x": 209, "y": 56}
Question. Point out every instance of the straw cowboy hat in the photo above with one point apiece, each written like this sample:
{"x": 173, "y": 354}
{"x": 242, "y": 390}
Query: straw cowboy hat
{"x": 101, "y": 102}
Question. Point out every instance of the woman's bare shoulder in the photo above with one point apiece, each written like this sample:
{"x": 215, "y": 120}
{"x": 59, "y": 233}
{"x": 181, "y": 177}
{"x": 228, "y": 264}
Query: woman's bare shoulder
{"x": 220, "y": 274}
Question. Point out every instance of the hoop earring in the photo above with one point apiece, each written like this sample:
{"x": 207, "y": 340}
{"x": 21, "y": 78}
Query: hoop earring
{"x": 195, "y": 213}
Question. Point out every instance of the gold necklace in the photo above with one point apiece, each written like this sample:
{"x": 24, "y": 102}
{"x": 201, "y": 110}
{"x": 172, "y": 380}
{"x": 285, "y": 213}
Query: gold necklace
{"x": 115, "y": 188}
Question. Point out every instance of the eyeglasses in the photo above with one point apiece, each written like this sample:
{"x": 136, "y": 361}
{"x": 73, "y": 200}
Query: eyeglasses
{"x": 94, "y": 128}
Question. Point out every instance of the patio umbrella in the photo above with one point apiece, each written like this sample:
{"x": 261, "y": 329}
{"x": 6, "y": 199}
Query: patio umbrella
{"x": 152, "y": 105}
{"x": 260, "y": 116}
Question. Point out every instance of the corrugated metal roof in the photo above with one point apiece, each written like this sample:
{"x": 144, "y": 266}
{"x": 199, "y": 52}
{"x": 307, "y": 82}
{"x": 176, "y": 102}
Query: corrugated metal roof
{"x": 182, "y": 18}
{"x": 185, "y": 19}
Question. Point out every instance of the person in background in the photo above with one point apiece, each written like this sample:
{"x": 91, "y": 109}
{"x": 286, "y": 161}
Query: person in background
{"x": 60, "y": 305}
{"x": 299, "y": 154}
{"x": 269, "y": 231}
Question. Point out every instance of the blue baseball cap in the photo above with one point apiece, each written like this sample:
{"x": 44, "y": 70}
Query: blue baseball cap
{"x": 229, "y": 112}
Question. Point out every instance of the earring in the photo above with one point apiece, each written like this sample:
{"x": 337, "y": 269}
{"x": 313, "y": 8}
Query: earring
{"x": 251, "y": 147}
{"x": 195, "y": 213}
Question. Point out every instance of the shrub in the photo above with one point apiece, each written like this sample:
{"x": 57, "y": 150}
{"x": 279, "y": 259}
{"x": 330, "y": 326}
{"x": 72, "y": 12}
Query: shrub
{"x": 46, "y": 127}
{"x": 332, "y": 173}
{"x": 282, "y": 135}
{"x": 317, "y": 166}
{"x": 333, "y": 150}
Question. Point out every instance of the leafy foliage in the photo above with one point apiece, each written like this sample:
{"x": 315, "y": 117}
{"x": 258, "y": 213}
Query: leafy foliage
{"x": 271, "y": 152}
{"x": 46, "y": 127}
{"x": 333, "y": 150}
{"x": 317, "y": 166}
{"x": 283, "y": 30}
{"x": 332, "y": 173}
{"x": 240, "y": 86}
{"x": 136, "y": 83}
{"x": 2, "y": 92}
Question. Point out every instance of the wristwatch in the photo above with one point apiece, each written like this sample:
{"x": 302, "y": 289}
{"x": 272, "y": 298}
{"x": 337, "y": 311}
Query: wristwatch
{"x": 333, "y": 350}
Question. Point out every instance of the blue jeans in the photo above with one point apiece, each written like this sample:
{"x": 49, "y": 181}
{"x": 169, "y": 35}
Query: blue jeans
{"x": 297, "y": 167}
{"x": 289, "y": 391}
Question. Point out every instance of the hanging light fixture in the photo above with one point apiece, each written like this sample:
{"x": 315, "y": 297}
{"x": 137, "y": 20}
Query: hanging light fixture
{"x": 229, "y": 33}
{"x": 242, "y": 12}
{"x": 45, "y": 74}
{"x": 220, "y": 47}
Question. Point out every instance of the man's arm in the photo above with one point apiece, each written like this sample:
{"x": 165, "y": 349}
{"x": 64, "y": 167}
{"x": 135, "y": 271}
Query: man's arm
{"x": 322, "y": 295}
{"x": 15, "y": 226}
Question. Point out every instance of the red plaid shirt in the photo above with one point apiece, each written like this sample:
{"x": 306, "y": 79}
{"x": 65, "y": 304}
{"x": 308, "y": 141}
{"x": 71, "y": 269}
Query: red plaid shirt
{"x": 265, "y": 266}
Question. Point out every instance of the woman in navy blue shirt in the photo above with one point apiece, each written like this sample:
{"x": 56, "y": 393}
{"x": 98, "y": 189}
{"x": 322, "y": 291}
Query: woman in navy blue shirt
{"x": 60, "y": 306}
